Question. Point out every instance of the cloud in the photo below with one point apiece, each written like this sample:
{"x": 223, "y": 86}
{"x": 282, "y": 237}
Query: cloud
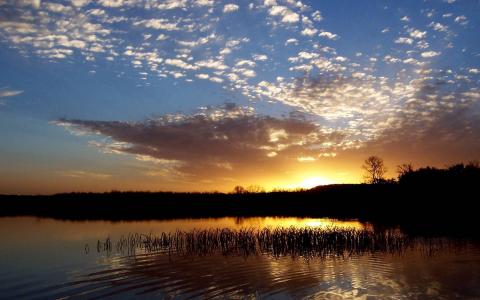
{"x": 328, "y": 35}
{"x": 429, "y": 54}
{"x": 111, "y": 3}
{"x": 442, "y": 138}
{"x": 215, "y": 140}
{"x": 317, "y": 16}
{"x": 80, "y": 3}
{"x": 204, "y": 2}
{"x": 5, "y": 93}
{"x": 260, "y": 57}
{"x": 163, "y": 24}
{"x": 84, "y": 174}
{"x": 474, "y": 71}
{"x": 462, "y": 20}
{"x": 288, "y": 16}
{"x": 291, "y": 41}
{"x": 404, "y": 40}
{"x": 228, "y": 8}
{"x": 309, "y": 31}
{"x": 417, "y": 34}
{"x": 438, "y": 27}
{"x": 180, "y": 64}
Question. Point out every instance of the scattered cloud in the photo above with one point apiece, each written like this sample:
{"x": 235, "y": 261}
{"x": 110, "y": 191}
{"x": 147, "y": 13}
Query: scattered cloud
{"x": 429, "y": 54}
{"x": 328, "y": 35}
{"x": 228, "y": 8}
{"x": 462, "y": 20}
{"x": 6, "y": 93}
{"x": 417, "y": 34}
{"x": 404, "y": 40}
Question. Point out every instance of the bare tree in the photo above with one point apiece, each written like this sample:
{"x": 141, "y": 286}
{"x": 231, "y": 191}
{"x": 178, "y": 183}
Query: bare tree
{"x": 375, "y": 169}
{"x": 255, "y": 189}
{"x": 404, "y": 169}
{"x": 239, "y": 190}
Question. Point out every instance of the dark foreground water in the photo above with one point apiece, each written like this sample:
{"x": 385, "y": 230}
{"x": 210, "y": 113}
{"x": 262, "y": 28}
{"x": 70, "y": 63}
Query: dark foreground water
{"x": 43, "y": 258}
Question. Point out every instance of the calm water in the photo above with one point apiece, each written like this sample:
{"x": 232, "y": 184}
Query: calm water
{"x": 43, "y": 258}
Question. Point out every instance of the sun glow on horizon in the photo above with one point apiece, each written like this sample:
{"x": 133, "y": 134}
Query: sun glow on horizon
{"x": 309, "y": 182}
{"x": 314, "y": 181}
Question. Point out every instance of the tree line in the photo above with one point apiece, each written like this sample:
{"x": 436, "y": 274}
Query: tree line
{"x": 375, "y": 171}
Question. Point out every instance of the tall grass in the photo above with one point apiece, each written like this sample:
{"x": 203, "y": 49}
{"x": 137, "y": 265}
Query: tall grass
{"x": 305, "y": 242}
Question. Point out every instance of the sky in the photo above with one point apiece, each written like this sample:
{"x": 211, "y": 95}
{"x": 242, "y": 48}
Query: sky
{"x": 204, "y": 95}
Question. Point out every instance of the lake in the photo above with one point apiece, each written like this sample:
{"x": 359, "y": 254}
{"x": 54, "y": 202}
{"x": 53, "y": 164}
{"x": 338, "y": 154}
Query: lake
{"x": 48, "y": 259}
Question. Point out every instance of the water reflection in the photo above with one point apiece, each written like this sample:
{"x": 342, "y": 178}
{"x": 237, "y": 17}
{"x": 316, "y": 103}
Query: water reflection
{"x": 46, "y": 259}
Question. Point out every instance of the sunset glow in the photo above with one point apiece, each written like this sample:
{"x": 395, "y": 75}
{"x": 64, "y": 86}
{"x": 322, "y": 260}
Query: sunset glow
{"x": 198, "y": 95}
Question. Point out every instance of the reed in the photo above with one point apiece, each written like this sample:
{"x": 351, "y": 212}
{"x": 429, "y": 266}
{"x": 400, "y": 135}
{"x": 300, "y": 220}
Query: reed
{"x": 295, "y": 242}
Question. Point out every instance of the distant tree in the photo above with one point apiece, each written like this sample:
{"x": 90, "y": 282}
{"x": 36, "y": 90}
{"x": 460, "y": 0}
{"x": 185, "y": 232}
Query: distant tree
{"x": 375, "y": 170}
{"x": 255, "y": 189}
{"x": 404, "y": 169}
{"x": 473, "y": 164}
{"x": 239, "y": 190}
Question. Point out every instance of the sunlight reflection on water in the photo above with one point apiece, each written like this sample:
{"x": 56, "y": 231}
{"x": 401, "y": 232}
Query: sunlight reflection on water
{"x": 46, "y": 259}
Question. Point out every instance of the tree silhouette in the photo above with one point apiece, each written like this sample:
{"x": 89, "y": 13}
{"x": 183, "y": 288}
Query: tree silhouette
{"x": 375, "y": 170}
{"x": 255, "y": 189}
{"x": 404, "y": 169}
{"x": 239, "y": 190}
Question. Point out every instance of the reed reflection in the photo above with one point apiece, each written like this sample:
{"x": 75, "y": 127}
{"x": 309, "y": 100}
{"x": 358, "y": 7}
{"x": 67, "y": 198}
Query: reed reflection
{"x": 288, "y": 263}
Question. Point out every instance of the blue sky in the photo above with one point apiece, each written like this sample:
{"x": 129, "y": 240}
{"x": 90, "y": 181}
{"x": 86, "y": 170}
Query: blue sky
{"x": 324, "y": 82}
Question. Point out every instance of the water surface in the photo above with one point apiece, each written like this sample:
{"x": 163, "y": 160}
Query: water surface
{"x": 45, "y": 258}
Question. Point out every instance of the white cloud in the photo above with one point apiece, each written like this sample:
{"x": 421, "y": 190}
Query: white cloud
{"x": 438, "y": 27}
{"x": 111, "y": 3}
{"x": 163, "y": 24}
{"x": 204, "y": 2}
{"x": 171, "y": 4}
{"x": 9, "y": 93}
{"x": 474, "y": 71}
{"x": 405, "y": 19}
{"x": 328, "y": 35}
{"x": 80, "y": 3}
{"x": 404, "y": 40}
{"x": 462, "y": 20}
{"x": 260, "y": 57}
{"x": 288, "y": 16}
{"x": 423, "y": 44}
{"x": 269, "y": 2}
{"x": 429, "y": 54}
{"x": 309, "y": 31}
{"x": 417, "y": 34}
{"x": 180, "y": 64}
{"x": 161, "y": 37}
{"x": 4, "y": 93}
{"x": 228, "y": 8}
{"x": 245, "y": 62}
{"x": 291, "y": 41}
{"x": 317, "y": 16}
{"x": 216, "y": 79}
{"x": 211, "y": 64}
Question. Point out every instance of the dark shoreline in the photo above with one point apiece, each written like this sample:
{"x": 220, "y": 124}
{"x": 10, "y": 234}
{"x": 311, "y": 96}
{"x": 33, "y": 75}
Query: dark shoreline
{"x": 442, "y": 210}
